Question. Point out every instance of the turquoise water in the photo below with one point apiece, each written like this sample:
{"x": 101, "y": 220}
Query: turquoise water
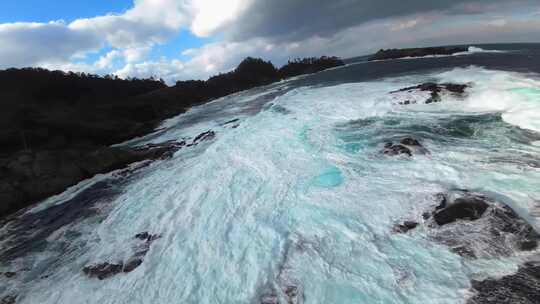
{"x": 301, "y": 196}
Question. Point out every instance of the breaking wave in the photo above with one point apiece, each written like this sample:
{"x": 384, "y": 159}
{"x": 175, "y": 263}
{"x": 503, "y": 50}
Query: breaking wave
{"x": 297, "y": 197}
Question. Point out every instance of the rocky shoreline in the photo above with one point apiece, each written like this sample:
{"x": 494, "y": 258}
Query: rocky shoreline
{"x": 58, "y": 127}
{"x": 416, "y": 52}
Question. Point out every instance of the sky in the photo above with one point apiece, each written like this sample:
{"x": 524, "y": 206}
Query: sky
{"x": 194, "y": 39}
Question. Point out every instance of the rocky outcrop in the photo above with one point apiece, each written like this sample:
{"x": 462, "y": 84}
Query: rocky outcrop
{"x": 474, "y": 225}
{"x": 106, "y": 270}
{"x": 523, "y": 287}
{"x": 434, "y": 90}
{"x": 31, "y": 176}
{"x": 11, "y": 299}
{"x": 55, "y": 127}
{"x": 405, "y": 226}
{"x": 406, "y": 146}
{"x": 416, "y": 52}
{"x": 465, "y": 208}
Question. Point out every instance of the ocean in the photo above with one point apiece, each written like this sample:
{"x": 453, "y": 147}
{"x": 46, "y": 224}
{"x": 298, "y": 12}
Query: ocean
{"x": 292, "y": 200}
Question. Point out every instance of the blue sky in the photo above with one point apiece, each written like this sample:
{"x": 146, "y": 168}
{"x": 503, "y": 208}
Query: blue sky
{"x": 68, "y": 10}
{"x": 194, "y": 39}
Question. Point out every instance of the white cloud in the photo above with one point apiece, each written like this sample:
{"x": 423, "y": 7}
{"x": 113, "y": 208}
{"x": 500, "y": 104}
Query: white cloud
{"x": 272, "y": 30}
{"x": 169, "y": 70}
{"x": 136, "y": 54}
{"x": 210, "y": 15}
{"x": 148, "y": 23}
{"x": 107, "y": 60}
{"x": 27, "y": 44}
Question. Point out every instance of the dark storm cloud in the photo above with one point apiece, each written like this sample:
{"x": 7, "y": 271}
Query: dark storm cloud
{"x": 282, "y": 20}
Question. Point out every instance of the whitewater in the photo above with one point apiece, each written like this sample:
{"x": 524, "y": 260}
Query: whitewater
{"x": 292, "y": 198}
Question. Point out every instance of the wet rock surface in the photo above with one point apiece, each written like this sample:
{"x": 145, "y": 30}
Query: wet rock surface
{"x": 405, "y": 226}
{"x": 9, "y": 274}
{"x": 284, "y": 289}
{"x": 474, "y": 225}
{"x": 523, "y": 287}
{"x": 28, "y": 232}
{"x": 8, "y": 299}
{"x": 406, "y": 146}
{"x": 106, "y": 270}
{"x": 205, "y": 136}
{"x": 466, "y": 208}
{"x": 32, "y": 176}
{"x": 103, "y": 270}
{"x": 435, "y": 91}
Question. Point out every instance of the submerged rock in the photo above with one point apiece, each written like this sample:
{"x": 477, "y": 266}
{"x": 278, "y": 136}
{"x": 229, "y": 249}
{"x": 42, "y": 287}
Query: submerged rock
{"x": 9, "y": 300}
{"x": 105, "y": 270}
{"x": 208, "y": 135}
{"x": 392, "y": 150}
{"x": 523, "y": 287}
{"x": 406, "y": 146}
{"x": 9, "y": 274}
{"x": 405, "y": 226}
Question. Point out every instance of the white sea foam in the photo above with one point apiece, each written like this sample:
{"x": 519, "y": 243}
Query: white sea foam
{"x": 228, "y": 211}
{"x": 515, "y": 96}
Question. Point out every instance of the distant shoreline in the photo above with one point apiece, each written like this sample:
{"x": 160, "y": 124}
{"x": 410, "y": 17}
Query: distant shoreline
{"x": 416, "y": 52}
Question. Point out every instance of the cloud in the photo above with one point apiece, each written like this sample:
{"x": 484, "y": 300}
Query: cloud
{"x": 148, "y": 23}
{"x": 27, "y": 44}
{"x": 276, "y": 30}
{"x": 297, "y": 19}
{"x": 210, "y": 15}
{"x": 107, "y": 60}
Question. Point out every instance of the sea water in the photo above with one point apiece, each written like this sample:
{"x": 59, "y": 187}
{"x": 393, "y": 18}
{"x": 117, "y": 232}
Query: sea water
{"x": 299, "y": 195}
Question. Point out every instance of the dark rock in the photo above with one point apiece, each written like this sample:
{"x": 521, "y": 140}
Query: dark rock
{"x": 143, "y": 236}
{"x": 34, "y": 176}
{"x": 416, "y": 52}
{"x": 103, "y": 271}
{"x": 464, "y": 251}
{"x": 390, "y": 149}
{"x": 8, "y": 300}
{"x": 528, "y": 245}
{"x": 442, "y": 199}
{"x": 208, "y": 135}
{"x": 132, "y": 264}
{"x": 147, "y": 237}
{"x": 294, "y": 294}
{"x": 435, "y": 91}
{"x": 406, "y": 226}
{"x": 523, "y": 287}
{"x": 409, "y": 141}
{"x": 230, "y": 121}
{"x": 467, "y": 208}
{"x": 406, "y": 146}
{"x": 9, "y": 274}
{"x": 493, "y": 229}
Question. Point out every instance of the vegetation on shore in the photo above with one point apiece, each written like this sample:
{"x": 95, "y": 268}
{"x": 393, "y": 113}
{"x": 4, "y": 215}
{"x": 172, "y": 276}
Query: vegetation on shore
{"x": 56, "y": 127}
